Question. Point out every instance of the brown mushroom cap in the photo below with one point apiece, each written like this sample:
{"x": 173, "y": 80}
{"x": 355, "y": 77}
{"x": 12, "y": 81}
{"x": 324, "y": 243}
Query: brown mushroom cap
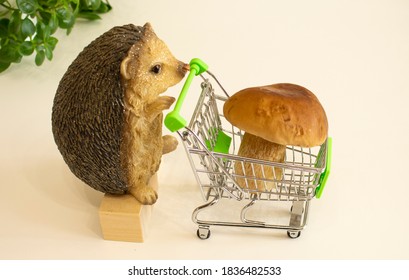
{"x": 285, "y": 114}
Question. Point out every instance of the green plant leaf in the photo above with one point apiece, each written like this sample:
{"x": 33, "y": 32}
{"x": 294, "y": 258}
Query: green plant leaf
{"x": 14, "y": 26}
{"x": 104, "y": 8}
{"x": 40, "y": 56}
{"x": 88, "y": 15}
{"x": 91, "y": 4}
{"x": 95, "y": 4}
{"x": 49, "y": 18}
{"x": 36, "y": 40}
{"x": 26, "y": 48}
{"x": 27, "y": 28}
{"x": 9, "y": 53}
{"x": 53, "y": 23}
{"x": 4, "y": 66}
{"x": 44, "y": 15}
{"x": 27, "y": 6}
{"x": 47, "y": 32}
{"x": 4, "y": 26}
{"x": 52, "y": 42}
{"x": 66, "y": 17}
{"x": 40, "y": 47}
{"x": 48, "y": 52}
{"x": 40, "y": 27}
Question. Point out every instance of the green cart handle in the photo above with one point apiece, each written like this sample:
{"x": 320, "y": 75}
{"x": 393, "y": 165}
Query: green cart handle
{"x": 325, "y": 174}
{"x": 173, "y": 120}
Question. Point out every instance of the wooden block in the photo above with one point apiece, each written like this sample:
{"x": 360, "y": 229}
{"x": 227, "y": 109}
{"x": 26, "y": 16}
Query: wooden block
{"x": 123, "y": 218}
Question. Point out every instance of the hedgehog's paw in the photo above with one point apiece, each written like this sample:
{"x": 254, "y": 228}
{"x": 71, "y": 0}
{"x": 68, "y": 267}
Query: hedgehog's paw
{"x": 161, "y": 103}
{"x": 170, "y": 144}
{"x": 154, "y": 109}
{"x": 145, "y": 195}
{"x": 164, "y": 102}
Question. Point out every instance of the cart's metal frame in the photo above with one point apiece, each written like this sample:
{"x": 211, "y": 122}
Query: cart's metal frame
{"x": 218, "y": 176}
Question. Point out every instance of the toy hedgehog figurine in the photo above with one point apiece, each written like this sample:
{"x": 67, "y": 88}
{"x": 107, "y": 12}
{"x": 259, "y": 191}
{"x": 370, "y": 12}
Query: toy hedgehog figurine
{"x": 107, "y": 113}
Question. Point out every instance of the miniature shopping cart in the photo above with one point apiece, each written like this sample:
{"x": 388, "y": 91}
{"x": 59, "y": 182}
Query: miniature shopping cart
{"x": 212, "y": 143}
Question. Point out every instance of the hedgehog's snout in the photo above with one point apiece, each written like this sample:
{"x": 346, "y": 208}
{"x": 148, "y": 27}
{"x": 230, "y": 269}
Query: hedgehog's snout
{"x": 186, "y": 67}
{"x": 183, "y": 68}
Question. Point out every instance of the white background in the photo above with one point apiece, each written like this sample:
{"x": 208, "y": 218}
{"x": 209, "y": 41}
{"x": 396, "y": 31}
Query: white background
{"x": 354, "y": 55}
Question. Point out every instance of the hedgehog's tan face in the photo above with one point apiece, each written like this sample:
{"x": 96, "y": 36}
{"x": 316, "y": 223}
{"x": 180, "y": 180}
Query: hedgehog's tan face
{"x": 150, "y": 68}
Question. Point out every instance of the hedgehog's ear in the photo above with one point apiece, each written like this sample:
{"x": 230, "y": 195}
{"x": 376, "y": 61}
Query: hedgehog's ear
{"x": 125, "y": 69}
{"x": 147, "y": 28}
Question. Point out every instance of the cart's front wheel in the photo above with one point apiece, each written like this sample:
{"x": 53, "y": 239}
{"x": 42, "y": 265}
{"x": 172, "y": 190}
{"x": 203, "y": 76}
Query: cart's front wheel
{"x": 203, "y": 233}
{"x": 293, "y": 234}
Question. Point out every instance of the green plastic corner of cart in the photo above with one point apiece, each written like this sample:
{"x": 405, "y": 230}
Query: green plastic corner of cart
{"x": 173, "y": 120}
{"x": 198, "y": 65}
{"x": 325, "y": 174}
{"x": 222, "y": 144}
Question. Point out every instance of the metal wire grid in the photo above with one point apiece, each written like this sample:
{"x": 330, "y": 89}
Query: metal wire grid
{"x": 224, "y": 175}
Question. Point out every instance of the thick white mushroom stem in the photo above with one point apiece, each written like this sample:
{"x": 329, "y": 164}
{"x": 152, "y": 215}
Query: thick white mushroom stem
{"x": 250, "y": 175}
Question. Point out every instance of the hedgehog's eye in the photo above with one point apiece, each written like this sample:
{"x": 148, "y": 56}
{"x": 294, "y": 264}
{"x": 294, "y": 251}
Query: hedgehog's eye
{"x": 156, "y": 69}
